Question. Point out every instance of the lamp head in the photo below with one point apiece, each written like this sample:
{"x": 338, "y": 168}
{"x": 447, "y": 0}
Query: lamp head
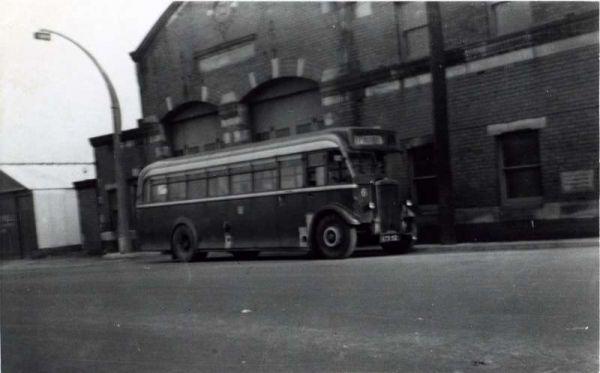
{"x": 42, "y": 35}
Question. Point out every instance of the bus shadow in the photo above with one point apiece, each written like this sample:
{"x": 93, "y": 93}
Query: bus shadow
{"x": 270, "y": 256}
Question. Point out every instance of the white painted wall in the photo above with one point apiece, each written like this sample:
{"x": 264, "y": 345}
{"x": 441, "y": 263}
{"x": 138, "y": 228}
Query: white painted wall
{"x": 56, "y": 218}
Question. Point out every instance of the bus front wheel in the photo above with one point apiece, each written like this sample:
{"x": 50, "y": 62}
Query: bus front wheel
{"x": 184, "y": 244}
{"x": 334, "y": 238}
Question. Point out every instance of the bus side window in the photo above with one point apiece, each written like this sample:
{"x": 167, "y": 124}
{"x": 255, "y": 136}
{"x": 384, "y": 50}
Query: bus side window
{"x": 338, "y": 172}
{"x": 265, "y": 175}
{"x": 218, "y": 183}
{"x": 315, "y": 168}
{"x": 147, "y": 195}
{"x": 196, "y": 186}
{"x": 241, "y": 179}
{"x": 159, "y": 190}
{"x": 176, "y": 188}
{"x": 292, "y": 172}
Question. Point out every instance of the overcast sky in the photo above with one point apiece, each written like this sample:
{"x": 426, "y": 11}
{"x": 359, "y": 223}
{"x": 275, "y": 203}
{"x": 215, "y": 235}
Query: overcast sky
{"x": 52, "y": 98}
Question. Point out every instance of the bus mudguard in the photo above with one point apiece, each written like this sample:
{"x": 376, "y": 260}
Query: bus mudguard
{"x": 189, "y": 223}
{"x": 348, "y": 217}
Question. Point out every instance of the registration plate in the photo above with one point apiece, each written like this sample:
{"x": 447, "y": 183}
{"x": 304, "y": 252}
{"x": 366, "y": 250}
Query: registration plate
{"x": 390, "y": 237}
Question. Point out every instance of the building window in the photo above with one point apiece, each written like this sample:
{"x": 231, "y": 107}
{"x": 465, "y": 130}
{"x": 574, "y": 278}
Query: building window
{"x": 303, "y": 128}
{"x": 362, "y": 9}
{"x": 282, "y": 132}
{"x": 521, "y": 176}
{"x": 511, "y": 16}
{"x": 227, "y": 54}
{"x": 424, "y": 175}
{"x": 412, "y": 20}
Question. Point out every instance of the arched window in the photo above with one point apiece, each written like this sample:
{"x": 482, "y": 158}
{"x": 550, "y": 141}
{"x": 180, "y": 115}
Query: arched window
{"x": 192, "y": 128}
{"x": 283, "y": 107}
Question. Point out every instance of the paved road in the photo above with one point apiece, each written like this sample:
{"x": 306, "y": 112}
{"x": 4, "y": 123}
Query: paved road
{"x": 501, "y": 311}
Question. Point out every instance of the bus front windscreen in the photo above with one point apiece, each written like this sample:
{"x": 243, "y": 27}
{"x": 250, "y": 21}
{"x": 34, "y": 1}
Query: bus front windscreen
{"x": 368, "y": 164}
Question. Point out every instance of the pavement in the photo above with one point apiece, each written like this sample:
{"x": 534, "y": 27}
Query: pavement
{"x": 79, "y": 259}
{"x": 459, "y": 247}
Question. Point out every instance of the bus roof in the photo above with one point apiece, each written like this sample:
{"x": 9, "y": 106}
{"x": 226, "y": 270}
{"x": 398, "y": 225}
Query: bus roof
{"x": 338, "y": 137}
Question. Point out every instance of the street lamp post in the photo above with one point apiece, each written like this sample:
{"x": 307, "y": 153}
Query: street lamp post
{"x": 124, "y": 237}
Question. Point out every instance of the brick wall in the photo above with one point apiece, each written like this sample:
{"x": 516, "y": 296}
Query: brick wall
{"x": 348, "y": 55}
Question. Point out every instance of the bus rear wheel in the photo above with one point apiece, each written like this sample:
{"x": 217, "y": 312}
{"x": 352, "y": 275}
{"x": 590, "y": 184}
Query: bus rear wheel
{"x": 184, "y": 244}
{"x": 334, "y": 238}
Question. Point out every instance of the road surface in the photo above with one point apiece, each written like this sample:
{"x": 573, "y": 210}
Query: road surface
{"x": 501, "y": 311}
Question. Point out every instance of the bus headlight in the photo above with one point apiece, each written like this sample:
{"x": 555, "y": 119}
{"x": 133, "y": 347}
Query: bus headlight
{"x": 372, "y": 205}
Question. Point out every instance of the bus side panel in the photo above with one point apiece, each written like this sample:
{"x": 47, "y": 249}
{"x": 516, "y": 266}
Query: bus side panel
{"x": 154, "y": 229}
{"x": 263, "y": 221}
{"x": 209, "y": 218}
{"x": 243, "y": 223}
{"x": 291, "y": 212}
{"x": 343, "y": 197}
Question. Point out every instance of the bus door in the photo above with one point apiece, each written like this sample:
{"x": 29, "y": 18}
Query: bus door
{"x": 263, "y": 214}
{"x": 291, "y": 203}
{"x": 240, "y": 217}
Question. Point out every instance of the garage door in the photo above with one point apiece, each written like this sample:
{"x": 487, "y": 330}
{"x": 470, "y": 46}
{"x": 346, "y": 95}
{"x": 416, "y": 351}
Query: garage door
{"x": 194, "y": 129}
{"x": 285, "y": 107}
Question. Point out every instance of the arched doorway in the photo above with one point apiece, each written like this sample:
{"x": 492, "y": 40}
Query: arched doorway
{"x": 192, "y": 128}
{"x": 283, "y": 107}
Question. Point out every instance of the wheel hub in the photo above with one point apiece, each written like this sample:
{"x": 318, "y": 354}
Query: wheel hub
{"x": 331, "y": 236}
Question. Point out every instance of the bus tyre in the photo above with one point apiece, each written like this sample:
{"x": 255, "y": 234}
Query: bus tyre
{"x": 334, "y": 238}
{"x": 184, "y": 244}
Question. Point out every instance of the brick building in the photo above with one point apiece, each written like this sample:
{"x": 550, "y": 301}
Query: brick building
{"x": 522, "y": 82}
